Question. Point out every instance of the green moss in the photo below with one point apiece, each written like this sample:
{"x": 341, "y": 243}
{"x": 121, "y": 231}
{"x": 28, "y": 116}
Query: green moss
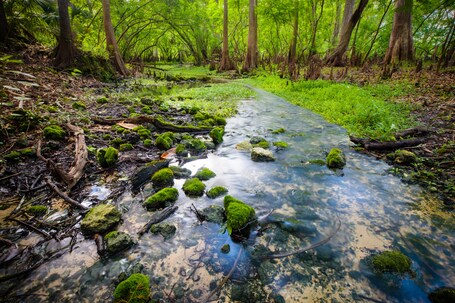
{"x": 135, "y": 289}
{"x": 256, "y": 140}
{"x": 220, "y": 121}
{"x": 180, "y": 150}
{"x": 148, "y": 142}
{"x": 262, "y": 144}
{"x": 165, "y": 141}
{"x": 217, "y": 135}
{"x": 117, "y": 241}
{"x": 225, "y": 249}
{"x": 204, "y": 174}
{"x": 201, "y": 116}
{"x": 193, "y": 187}
{"x": 36, "y": 210}
{"x": 196, "y": 145}
{"x": 216, "y": 192}
{"x": 162, "y": 198}
{"x": 143, "y": 132}
{"x": 279, "y": 131}
{"x": 118, "y": 129}
{"x": 317, "y": 161}
{"x": 403, "y": 157}
{"x": 100, "y": 219}
{"x": 146, "y": 110}
{"x": 117, "y": 141}
{"x": 102, "y": 100}
{"x": 107, "y": 137}
{"x": 165, "y": 229}
{"x": 336, "y": 158}
{"x": 126, "y": 146}
{"x": 442, "y": 295}
{"x": 107, "y": 157}
{"x": 79, "y": 105}
{"x": 391, "y": 261}
{"x": 238, "y": 214}
{"x": 163, "y": 178}
{"x": 12, "y": 156}
{"x": 281, "y": 144}
{"x": 54, "y": 132}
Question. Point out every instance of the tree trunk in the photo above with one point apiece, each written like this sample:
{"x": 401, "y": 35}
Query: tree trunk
{"x": 292, "y": 60}
{"x": 251, "y": 60}
{"x": 400, "y": 43}
{"x": 3, "y": 24}
{"x": 111, "y": 43}
{"x": 226, "y": 63}
{"x": 336, "y": 28}
{"x": 347, "y": 14}
{"x": 65, "y": 48}
{"x": 336, "y": 58}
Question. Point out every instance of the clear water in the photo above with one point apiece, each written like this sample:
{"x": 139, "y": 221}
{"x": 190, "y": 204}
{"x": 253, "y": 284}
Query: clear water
{"x": 377, "y": 212}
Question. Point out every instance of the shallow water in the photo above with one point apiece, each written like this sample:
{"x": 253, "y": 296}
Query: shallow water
{"x": 377, "y": 212}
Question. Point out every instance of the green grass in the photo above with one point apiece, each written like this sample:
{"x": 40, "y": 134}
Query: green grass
{"x": 364, "y": 111}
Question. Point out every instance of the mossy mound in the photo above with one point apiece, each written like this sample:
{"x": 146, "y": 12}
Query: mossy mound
{"x": 163, "y": 178}
{"x": 36, "y": 210}
{"x": 256, "y": 140}
{"x": 279, "y": 131}
{"x": 143, "y": 132}
{"x": 216, "y": 192}
{"x": 193, "y": 187}
{"x": 225, "y": 249}
{"x": 135, "y": 289}
{"x": 392, "y": 262}
{"x": 281, "y": 144}
{"x": 54, "y": 132}
{"x": 12, "y": 156}
{"x": 165, "y": 140}
{"x": 148, "y": 142}
{"x": 117, "y": 241}
{"x": 180, "y": 172}
{"x": 217, "y": 135}
{"x": 79, "y": 105}
{"x": 126, "y": 146}
{"x": 107, "y": 157}
{"x": 197, "y": 145}
{"x": 180, "y": 150}
{"x": 162, "y": 198}
{"x": 259, "y": 154}
{"x": 262, "y": 144}
{"x": 238, "y": 214}
{"x": 336, "y": 158}
{"x": 403, "y": 157}
{"x": 204, "y": 174}
{"x": 442, "y": 295}
{"x": 102, "y": 100}
{"x": 100, "y": 219}
{"x": 165, "y": 229}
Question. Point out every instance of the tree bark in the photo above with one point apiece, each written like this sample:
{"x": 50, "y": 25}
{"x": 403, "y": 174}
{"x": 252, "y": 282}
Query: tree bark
{"x": 111, "y": 43}
{"x": 347, "y": 14}
{"x": 336, "y": 58}
{"x": 315, "y": 23}
{"x": 336, "y": 27}
{"x": 3, "y": 23}
{"x": 292, "y": 60}
{"x": 251, "y": 60}
{"x": 65, "y": 48}
{"x": 226, "y": 63}
{"x": 400, "y": 43}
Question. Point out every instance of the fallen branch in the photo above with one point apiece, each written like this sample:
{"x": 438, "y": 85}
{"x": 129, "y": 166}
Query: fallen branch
{"x": 412, "y": 132}
{"x": 6, "y": 241}
{"x": 100, "y": 244}
{"x": 372, "y": 145}
{"x": 199, "y": 216}
{"x": 33, "y": 228}
{"x": 10, "y": 176}
{"x": 63, "y": 195}
{"x": 157, "y": 219}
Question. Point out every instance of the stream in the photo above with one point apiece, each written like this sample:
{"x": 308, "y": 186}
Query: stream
{"x": 376, "y": 209}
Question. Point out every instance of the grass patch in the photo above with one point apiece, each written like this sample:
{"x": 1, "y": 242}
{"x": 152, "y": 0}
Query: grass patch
{"x": 364, "y": 111}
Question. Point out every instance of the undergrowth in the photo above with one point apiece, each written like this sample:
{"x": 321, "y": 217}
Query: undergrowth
{"x": 364, "y": 111}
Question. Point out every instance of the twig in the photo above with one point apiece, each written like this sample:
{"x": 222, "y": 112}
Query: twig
{"x": 63, "y": 195}
{"x": 19, "y": 206}
{"x": 198, "y": 214}
{"x": 42, "y": 232}
{"x": 10, "y": 176}
{"x": 226, "y": 278}
{"x": 6, "y": 241}
{"x": 157, "y": 219}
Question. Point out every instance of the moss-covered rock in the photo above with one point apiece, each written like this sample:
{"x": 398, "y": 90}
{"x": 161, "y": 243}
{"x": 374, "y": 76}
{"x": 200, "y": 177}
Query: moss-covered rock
{"x": 102, "y": 100}
{"x": 204, "y": 174}
{"x": 403, "y": 157}
{"x": 244, "y": 145}
{"x": 238, "y": 214}
{"x": 79, "y": 105}
{"x": 143, "y": 132}
{"x": 281, "y": 144}
{"x": 196, "y": 145}
{"x": 225, "y": 249}
{"x": 279, "y": 131}
{"x": 193, "y": 187}
{"x": 162, "y": 198}
{"x": 54, "y": 132}
{"x": 262, "y": 144}
{"x": 165, "y": 141}
{"x": 126, "y": 146}
{"x": 217, "y": 135}
{"x": 259, "y": 154}
{"x": 107, "y": 157}
{"x": 442, "y": 295}
{"x": 36, "y": 210}
{"x": 117, "y": 141}
{"x": 180, "y": 150}
{"x": 148, "y": 142}
{"x": 392, "y": 262}
{"x": 216, "y": 191}
{"x": 165, "y": 229}
{"x": 12, "y": 156}
{"x": 100, "y": 219}
{"x": 180, "y": 172}
{"x": 214, "y": 214}
{"x": 135, "y": 289}
{"x": 336, "y": 158}
{"x": 257, "y": 140}
{"x": 117, "y": 241}
{"x": 163, "y": 178}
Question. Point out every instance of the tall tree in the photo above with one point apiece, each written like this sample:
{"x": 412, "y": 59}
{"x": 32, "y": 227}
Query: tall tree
{"x": 400, "y": 43}
{"x": 226, "y": 63}
{"x": 336, "y": 58}
{"x": 347, "y": 14}
{"x": 111, "y": 43}
{"x": 251, "y": 60}
{"x": 65, "y": 48}
{"x": 314, "y": 23}
{"x": 336, "y": 27}
{"x": 292, "y": 60}
{"x": 3, "y": 23}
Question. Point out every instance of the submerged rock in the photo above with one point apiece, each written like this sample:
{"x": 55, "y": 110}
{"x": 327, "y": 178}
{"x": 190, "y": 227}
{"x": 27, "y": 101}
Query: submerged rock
{"x": 193, "y": 187}
{"x": 165, "y": 229}
{"x": 180, "y": 172}
{"x": 117, "y": 241}
{"x": 214, "y": 214}
{"x": 442, "y": 295}
{"x": 336, "y": 158}
{"x": 257, "y": 140}
{"x": 162, "y": 198}
{"x": 391, "y": 262}
{"x": 100, "y": 219}
{"x": 134, "y": 289}
{"x": 238, "y": 214}
{"x": 259, "y": 154}
{"x": 244, "y": 145}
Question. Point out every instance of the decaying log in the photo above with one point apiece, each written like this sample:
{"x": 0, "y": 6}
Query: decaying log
{"x": 372, "y": 145}
{"x": 158, "y": 218}
{"x": 63, "y": 195}
{"x": 100, "y": 245}
{"x": 412, "y": 132}
{"x": 143, "y": 174}
{"x": 80, "y": 159}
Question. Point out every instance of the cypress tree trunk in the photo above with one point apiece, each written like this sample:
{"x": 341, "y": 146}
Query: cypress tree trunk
{"x": 336, "y": 27}
{"x": 65, "y": 48}
{"x": 347, "y": 14}
{"x": 226, "y": 63}
{"x": 111, "y": 43}
{"x": 3, "y": 24}
{"x": 292, "y": 60}
{"x": 251, "y": 60}
{"x": 400, "y": 43}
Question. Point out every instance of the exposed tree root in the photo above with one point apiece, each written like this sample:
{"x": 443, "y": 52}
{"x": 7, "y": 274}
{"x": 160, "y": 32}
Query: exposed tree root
{"x": 372, "y": 145}
{"x": 63, "y": 195}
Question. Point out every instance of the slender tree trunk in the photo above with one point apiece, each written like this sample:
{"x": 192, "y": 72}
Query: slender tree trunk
{"x": 292, "y": 60}
{"x": 315, "y": 25}
{"x": 400, "y": 43}
{"x": 111, "y": 43}
{"x": 336, "y": 58}
{"x": 226, "y": 63}
{"x": 347, "y": 14}
{"x": 251, "y": 60}
{"x": 3, "y": 24}
{"x": 65, "y": 48}
{"x": 336, "y": 27}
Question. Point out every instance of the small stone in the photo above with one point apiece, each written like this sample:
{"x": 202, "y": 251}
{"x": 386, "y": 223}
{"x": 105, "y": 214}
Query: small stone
{"x": 214, "y": 214}
{"x": 336, "y": 158}
{"x": 100, "y": 219}
{"x": 225, "y": 249}
{"x": 165, "y": 229}
{"x": 259, "y": 154}
{"x": 117, "y": 241}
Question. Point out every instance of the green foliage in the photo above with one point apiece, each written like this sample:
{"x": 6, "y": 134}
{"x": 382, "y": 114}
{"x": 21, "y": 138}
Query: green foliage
{"x": 193, "y": 187}
{"x": 163, "y": 178}
{"x": 162, "y": 198}
{"x": 279, "y": 131}
{"x": 135, "y": 289}
{"x": 204, "y": 174}
{"x": 336, "y": 158}
{"x": 391, "y": 261}
{"x": 180, "y": 150}
{"x": 217, "y": 135}
{"x": 36, "y": 210}
{"x": 126, "y": 147}
{"x": 165, "y": 140}
{"x": 107, "y": 157}
{"x": 216, "y": 191}
{"x": 12, "y": 156}
{"x": 54, "y": 132}
{"x": 238, "y": 214}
